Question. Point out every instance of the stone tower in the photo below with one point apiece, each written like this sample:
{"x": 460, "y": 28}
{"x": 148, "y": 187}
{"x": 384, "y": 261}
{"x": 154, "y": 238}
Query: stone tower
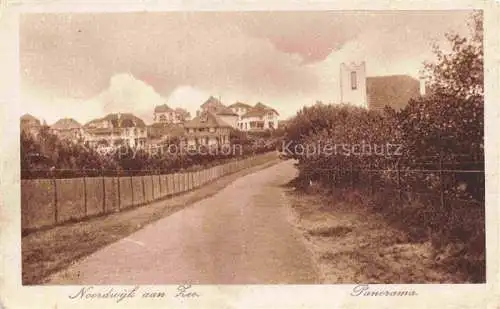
{"x": 353, "y": 84}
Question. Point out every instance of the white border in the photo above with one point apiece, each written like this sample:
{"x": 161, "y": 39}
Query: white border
{"x": 14, "y": 295}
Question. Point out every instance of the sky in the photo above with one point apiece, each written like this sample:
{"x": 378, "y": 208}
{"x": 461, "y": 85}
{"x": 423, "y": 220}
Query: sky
{"x": 86, "y": 65}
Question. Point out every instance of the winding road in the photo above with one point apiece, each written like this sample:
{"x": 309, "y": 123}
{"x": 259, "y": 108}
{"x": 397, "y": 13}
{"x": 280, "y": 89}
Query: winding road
{"x": 241, "y": 235}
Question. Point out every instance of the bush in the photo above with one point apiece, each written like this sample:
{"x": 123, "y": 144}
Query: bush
{"x": 47, "y": 156}
{"x": 441, "y": 141}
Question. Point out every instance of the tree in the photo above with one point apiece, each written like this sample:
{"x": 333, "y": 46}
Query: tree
{"x": 450, "y": 121}
{"x": 459, "y": 73}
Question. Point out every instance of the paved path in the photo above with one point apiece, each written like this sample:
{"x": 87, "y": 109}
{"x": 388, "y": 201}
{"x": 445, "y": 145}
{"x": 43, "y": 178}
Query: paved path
{"x": 238, "y": 236}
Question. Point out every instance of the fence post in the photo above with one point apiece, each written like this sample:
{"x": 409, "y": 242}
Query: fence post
{"x": 351, "y": 175}
{"x": 119, "y": 190}
{"x": 85, "y": 193}
{"x": 143, "y": 187}
{"x": 54, "y": 180}
{"x": 398, "y": 175}
{"x": 152, "y": 187}
{"x": 173, "y": 183}
{"x": 132, "y": 190}
{"x": 370, "y": 177}
{"x": 103, "y": 192}
{"x": 441, "y": 182}
{"x": 159, "y": 182}
{"x": 342, "y": 173}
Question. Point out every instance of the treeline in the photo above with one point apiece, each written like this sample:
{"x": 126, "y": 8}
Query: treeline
{"x": 432, "y": 147}
{"x": 428, "y": 139}
{"x": 47, "y": 156}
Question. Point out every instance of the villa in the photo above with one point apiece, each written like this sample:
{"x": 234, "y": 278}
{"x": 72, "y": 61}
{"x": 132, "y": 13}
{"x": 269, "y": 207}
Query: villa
{"x": 258, "y": 118}
{"x": 207, "y": 129}
{"x": 116, "y": 130}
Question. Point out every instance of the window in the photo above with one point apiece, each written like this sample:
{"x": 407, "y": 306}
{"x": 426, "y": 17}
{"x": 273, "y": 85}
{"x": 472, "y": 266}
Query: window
{"x": 354, "y": 82}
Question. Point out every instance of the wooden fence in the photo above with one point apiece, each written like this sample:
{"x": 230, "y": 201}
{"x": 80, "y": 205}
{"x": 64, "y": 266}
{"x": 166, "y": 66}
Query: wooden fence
{"x": 48, "y": 202}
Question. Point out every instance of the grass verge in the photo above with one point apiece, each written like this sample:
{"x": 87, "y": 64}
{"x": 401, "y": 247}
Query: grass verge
{"x": 357, "y": 239}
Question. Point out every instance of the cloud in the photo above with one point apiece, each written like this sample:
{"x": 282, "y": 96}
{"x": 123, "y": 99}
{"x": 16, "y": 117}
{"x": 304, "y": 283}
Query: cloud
{"x": 128, "y": 94}
{"x": 282, "y": 58}
{"x": 188, "y": 98}
{"x": 45, "y": 106}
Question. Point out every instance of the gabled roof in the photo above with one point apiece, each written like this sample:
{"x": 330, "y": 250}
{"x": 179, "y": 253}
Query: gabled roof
{"x": 225, "y": 111}
{"x": 215, "y": 106}
{"x": 212, "y": 102}
{"x": 259, "y": 110}
{"x": 393, "y": 90}
{"x": 164, "y": 108}
{"x": 240, "y": 104}
{"x": 206, "y": 120}
{"x": 165, "y": 129}
{"x": 66, "y": 124}
{"x": 263, "y": 106}
{"x": 119, "y": 120}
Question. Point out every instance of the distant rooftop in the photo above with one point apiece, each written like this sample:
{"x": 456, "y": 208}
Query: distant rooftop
{"x": 119, "y": 120}
{"x": 206, "y": 120}
{"x": 163, "y": 109}
{"x": 259, "y": 110}
{"x": 215, "y": 106}
{"x": 240, "y": 104}
{"x": 66, "y": 124}
{"x": 28, "y": 117}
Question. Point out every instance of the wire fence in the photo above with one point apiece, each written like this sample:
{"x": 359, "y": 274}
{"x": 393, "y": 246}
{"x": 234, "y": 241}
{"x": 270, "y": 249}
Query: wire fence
{"x": 447, "y": 180}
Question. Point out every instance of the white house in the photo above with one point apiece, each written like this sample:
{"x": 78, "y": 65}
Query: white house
{"x": 116, "y": 130}
{"x": 240, "y": 108}
{"x": 215, "y": 107}
{"x": 68, "y": 128}
{"x": 258, "y": 118}
{"x": 165, "y": 114}
{"x": 207, "y": 129}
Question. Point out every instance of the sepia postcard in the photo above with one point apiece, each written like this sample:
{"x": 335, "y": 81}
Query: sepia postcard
{"x": 282, "y": 154}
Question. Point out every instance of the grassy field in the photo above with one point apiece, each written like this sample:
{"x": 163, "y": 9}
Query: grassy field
{"x": 353, "y": 244}
{"x": 47, "y": 251}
